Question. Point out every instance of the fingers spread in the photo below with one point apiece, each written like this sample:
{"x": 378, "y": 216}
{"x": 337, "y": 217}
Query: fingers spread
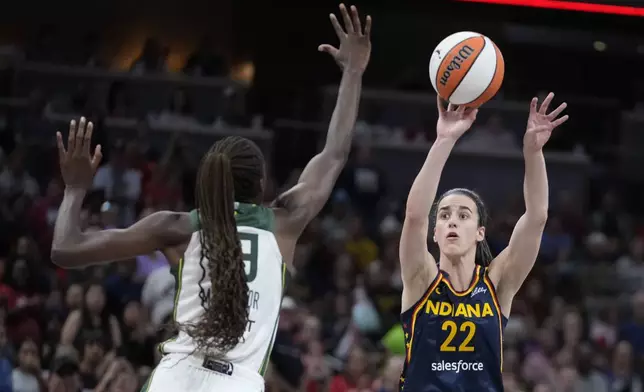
{"x": 336, "y": 26}
{"x": 98, "y": 156}
{"x": 546, "y": 103}
{"x": 560, "y": 121}
{"x": 328, "y": 49}
{"x": 87, "y": 140}
{"x": 533, "y": 105}
{"x": 348, "y": 25}
{"x": 555, "y": 113}
{"x": 367, "y": 27}
{"x": 71, "y": 138}
{"x": 80, "y": 133}
{"x": 61, "y": 146}
{"x": 356, "y": 19}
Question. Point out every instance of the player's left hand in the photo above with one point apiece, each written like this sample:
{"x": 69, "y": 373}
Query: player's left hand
{"x": 355, "y": 43}
{"x": 77, "y": 164}
{"x": 541, "y": 123}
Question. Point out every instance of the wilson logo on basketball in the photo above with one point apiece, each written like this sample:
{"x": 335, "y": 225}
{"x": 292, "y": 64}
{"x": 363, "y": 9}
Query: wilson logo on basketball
{"x": 455, "y": 64}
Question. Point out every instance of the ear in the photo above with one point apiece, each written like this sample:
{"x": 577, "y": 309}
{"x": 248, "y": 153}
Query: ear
{"x": 434, "y": 235}
{"x": 480, "y": 234}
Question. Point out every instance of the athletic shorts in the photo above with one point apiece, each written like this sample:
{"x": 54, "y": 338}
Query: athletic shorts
{"x": 181, "y": 372}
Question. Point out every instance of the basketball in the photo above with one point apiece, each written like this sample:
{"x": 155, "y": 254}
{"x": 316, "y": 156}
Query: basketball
{"x": 466, "y": 68}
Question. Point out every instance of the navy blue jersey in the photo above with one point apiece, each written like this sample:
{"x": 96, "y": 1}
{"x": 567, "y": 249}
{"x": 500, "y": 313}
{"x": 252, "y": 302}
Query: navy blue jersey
{"x": 454, "y": 339}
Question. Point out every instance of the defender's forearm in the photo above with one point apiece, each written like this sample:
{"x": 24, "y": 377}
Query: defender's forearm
{"x": 67, "y": 230}
{"x": 343, "y": 120}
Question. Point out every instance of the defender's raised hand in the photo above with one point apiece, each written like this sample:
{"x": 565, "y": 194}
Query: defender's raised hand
{"x": 355, "y": 43}
{"x": 77, "y": 165}
{"x": 541, "y": 123}
{"x": 454, "y": 121}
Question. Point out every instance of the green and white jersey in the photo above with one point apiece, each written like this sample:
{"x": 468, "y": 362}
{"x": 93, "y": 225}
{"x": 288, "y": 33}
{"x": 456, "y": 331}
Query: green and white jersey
{"x": 265, "y": 274}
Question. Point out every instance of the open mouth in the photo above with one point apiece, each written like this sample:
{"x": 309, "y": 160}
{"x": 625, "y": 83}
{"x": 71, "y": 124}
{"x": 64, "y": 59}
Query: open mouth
{"x": 452, "y": 235}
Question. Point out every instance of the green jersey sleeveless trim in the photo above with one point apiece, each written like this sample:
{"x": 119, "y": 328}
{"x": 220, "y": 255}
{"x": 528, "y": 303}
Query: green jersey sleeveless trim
{"x": 251, "y": 215}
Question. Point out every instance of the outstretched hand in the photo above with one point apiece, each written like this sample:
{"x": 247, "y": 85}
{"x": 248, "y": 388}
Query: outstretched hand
{"x": 454, "y": 121}
{"x": 355, "y": 44}
{"x": 541, "y": 123}
{"x": 76, "y": 164}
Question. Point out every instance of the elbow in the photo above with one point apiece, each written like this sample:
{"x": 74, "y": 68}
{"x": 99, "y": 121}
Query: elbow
{"x": 338, "y": 155}
{"x": 416, "y": 217}
{"x": 537, "y": 218}
{"x": 61, "y": 257}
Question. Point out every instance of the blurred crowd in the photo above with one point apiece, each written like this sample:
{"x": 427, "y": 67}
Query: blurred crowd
{"x": 576, "y": 326}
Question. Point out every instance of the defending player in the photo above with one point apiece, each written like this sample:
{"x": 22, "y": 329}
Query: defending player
{"x": 454, "y": 312}
{"x": 230, "y": 280}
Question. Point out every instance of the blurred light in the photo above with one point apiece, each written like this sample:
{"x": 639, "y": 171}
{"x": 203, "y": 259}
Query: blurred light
{"x": 599, "y": 46}
{"x": 568, "y": 6}
{"x": 243, "y": 72}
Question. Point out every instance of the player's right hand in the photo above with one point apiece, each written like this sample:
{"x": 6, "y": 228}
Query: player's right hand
{"x": 454, "y": 121}
{"x": 355, "y": 43}
{"x": 77, "y": 166}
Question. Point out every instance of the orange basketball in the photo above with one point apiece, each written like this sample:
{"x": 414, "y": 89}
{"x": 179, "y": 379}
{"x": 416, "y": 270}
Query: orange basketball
{"x": 466, "y": 68}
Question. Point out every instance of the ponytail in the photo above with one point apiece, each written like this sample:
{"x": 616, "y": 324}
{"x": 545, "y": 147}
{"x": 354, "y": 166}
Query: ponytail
{"x": 226, "y": 316}
{"x": 483, "y": 254}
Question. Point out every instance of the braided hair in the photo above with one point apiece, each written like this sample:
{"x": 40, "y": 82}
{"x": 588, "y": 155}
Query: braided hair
{"x": 231, "y": 171}
{"x": 483, "y": 253}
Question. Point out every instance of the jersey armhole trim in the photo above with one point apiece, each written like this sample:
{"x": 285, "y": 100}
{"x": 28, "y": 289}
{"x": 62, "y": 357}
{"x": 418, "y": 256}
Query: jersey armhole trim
{"x": 195, "y": 222}
{"x": 492, "y": 288}
{"x": 427, "y": 293}
{"x": 495, "y": 300}
{"x": 417, "y": 308}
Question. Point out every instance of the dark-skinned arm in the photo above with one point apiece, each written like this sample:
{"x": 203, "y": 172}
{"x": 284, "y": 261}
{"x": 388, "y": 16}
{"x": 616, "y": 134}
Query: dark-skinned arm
{"x": 305, "y": 200}
{"x": 73, "y": 248}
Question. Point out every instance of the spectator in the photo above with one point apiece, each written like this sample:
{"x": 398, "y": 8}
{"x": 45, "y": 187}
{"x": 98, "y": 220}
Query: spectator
{"x": 14, "y": 178}
{"x": 362, "y": 248}
{"x": 92, "y": 320}
{"x": 286, "y": 355}
{"x": 633, "y": 331}
{"x": 139, "y": 341}
{"x": 92, "y": 360}
{"x": 623, "y": 378}
{"x": 631, "y": 265}
{"x": 27, "y": 376}
{"x": 120, "y": 183}
{"x": 590, "y": 378}
{"x": 390, "y": 377}
{"x": 355, "y": 375}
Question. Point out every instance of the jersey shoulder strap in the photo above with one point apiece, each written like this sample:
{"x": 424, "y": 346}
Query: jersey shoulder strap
{"x": 251, "y": 215}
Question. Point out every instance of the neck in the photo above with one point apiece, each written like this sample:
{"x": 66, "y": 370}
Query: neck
{"x": 460, "y": 269}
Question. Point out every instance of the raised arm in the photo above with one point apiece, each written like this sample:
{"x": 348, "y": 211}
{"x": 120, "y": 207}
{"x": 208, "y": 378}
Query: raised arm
{"x": 513, "y": 265}
{"x": 303, "y": 202}
{"x": 72, "y": 248}
{"x": 418, "y": 267}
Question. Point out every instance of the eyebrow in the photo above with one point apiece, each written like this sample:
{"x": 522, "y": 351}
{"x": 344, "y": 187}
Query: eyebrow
{"x": 446, "y": 208}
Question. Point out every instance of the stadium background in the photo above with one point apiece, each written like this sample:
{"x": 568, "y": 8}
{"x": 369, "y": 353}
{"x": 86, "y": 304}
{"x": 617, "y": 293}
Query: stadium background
{"x": 578, "y": 324}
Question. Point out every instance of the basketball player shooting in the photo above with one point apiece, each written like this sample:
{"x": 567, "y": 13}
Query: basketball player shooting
{"x": 454, "y": 312}
{"x": 237, "y": 252}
